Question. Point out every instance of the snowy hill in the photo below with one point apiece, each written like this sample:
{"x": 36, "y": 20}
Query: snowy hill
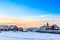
{"x": 28, "y": 36}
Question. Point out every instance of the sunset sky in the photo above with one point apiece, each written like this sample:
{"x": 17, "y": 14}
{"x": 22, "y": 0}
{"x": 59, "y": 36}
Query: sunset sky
{"x": 29, "y": 13}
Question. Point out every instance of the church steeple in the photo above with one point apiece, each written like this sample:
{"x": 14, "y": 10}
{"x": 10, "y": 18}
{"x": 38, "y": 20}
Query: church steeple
{"x": 47, "y": 24}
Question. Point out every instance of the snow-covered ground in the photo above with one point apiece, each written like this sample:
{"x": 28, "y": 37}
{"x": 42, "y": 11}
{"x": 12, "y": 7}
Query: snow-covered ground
{"x": 28, "y": 36}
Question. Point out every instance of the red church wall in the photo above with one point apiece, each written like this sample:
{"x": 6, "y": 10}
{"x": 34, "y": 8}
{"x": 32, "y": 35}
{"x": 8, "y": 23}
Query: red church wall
{"x": 52, "y": 28}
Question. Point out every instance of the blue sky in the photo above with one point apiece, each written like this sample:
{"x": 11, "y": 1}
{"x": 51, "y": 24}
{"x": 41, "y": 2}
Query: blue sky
{"x": 52, "y": 6}
{"x": 30, "y": 9}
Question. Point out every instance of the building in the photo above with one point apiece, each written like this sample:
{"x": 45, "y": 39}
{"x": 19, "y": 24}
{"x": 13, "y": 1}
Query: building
{"x": 48, "y": 28}
{"x": 13, "y": 28}
{"x": 53, "y": 27}
{"x": 31, "y": 29}
{"x": 10, "y": 28}
{"x": 4, "y": 28}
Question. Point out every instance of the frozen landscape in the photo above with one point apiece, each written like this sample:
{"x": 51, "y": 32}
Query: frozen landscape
{"x": 28, "y": 36}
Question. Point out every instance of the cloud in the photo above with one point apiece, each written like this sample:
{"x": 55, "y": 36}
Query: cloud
{"x": 32, "y": 18}
{"x": 47, "y": 17}
{"x": 41, "y": 17}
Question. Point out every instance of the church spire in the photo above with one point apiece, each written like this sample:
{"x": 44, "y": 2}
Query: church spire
{"x": 47, "y": 24}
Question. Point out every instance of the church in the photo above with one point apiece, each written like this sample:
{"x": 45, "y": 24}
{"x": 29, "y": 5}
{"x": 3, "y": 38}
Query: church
{"x": 53, "y": 27}
{"x": 47, "y": 27}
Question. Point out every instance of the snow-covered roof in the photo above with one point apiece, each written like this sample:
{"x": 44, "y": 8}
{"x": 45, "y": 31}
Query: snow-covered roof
{"x": 31, "y": 29}
{"x": 12, "y": 26}
{"x": 48, "y": 26}
{"x": 4, "y": 26}
{"x": 42, "y": 28}
{"x": 56, "y": 27}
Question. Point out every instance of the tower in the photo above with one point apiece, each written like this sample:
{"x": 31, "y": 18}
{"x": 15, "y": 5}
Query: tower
{"x": 47, "y": 24}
